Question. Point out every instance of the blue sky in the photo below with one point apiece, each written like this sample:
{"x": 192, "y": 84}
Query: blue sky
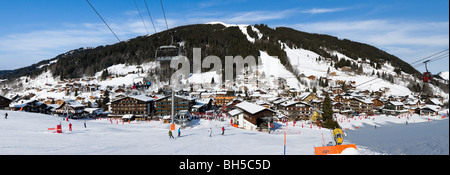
{"x": 33, "y": 30}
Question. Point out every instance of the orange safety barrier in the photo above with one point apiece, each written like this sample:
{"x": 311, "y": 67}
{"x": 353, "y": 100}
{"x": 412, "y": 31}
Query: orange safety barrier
{"x": 325, "y": 150}
{"x": 172, "y": 127}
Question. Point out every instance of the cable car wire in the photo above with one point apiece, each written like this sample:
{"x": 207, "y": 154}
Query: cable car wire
{"x": 167, "y": 26}
{"x": 141, "y": 16}
{"x": 428, "y": 57}
{"x": 103, "y": 21}
{"x": 151, "y": 19}
{"x": 445, "y": 55}
{"x": 437, "y": 56}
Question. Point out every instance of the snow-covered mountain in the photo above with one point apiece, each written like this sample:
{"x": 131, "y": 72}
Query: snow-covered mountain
{"x": 303, "y": 61}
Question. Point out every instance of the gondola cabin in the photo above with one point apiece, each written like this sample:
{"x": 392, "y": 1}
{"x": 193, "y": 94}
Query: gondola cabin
{"x": 427, "y": 77}
{"x": 166, "y": 53}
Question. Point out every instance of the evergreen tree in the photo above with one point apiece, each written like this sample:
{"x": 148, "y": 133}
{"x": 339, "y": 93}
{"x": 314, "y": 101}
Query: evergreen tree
{"x": 328, "y": 113}
{"x": 105, "y": 74}
{"x": 105, "y": 100}
{"x": 378, "y": 66}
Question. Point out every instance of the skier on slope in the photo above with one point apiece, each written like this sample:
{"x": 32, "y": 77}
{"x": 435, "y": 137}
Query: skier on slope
{"x": 6, "y": 115}
{"x": 210, "y": 131}
{"x": 179, "y": 132}
{"x": 170, "y": 134}
{"x": 223, "y": 130}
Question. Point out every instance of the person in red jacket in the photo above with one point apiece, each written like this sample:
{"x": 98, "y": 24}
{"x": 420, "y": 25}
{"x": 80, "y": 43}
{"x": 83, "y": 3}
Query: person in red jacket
{"x": 70, "y": 126}
{"x": 223, "y": 130}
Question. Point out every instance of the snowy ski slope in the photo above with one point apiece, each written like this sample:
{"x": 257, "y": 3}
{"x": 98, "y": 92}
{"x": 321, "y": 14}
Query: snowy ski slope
{"x": 26, "y": 134}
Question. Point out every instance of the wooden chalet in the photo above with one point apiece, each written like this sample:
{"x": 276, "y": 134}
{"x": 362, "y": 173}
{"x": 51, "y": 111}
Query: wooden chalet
{"x": 71, "y": 109}
{"x": 163, "y": 105}
{"x": 4, "y": 102}
{"x": 307, "y": 96}
{"x": 359, "y": 105}
{"x": 139, "y": 105}
{"x": 232, "y": 105}
{"x": 251, "y": 116}
{"x": 201, "y": 105}
{"x": 377, "y": 103}
{"x": 223, "y": 98}
{"x": 434, "y": 101}
{"x": 31, "y": 106}
{"x": 296, "y": 109}
{"x": 394, "y": 108}
{"x": 428, "y": 110}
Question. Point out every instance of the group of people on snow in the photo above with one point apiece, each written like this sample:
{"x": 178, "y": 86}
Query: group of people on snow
{"x": 210, "y": 131}
{"x": 179, "y": 132}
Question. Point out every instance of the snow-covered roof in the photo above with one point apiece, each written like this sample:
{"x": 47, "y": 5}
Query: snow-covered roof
{"x": 304, "y": 95}
{"x": 279, "y": 101}
{"x": 198, "y": 105}
{"x": 262, "y": 102}
{"x": 396, "y": 103}
{"x": 4, "y": 97}
{"x": 128, "y": 116}
{"x": 90, "y": 110}
{"x": 366, "y": 101}
{"x": 54, "y": 105}
{"x": 16, "y": 105}
{"x": 436, "y": 101}
{"x": 186, "y": 97}
{"x": 432, "y": 107}
{"x": 250, "y": 107}
{"x": 24, "y": 103}
{"x": 203, "y": 101}
{"x": 143, "y": 98}
{"x": 288, "y": 103}
{"x": 235, "y": 112}
{"x": 159, "y": 96}
{"x": 273, "y": 99}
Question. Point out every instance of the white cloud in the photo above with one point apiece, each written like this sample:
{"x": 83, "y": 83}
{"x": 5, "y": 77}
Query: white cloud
{"x": 323, "y": 10}
{"x": 23, "y": 49}
{"x": 258, "y": 16}
{"x": 384, "y": 32}
{"x": 408, "y": 40}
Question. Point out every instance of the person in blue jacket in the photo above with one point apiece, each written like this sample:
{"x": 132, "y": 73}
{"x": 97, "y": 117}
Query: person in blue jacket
{"x": 179, "y": 132}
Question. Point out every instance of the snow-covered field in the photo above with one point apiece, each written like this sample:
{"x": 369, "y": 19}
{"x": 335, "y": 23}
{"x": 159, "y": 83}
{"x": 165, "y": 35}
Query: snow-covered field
{"x": 26, "y": 134}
